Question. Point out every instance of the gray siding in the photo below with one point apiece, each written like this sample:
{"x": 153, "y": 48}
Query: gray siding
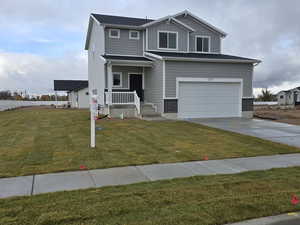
{"x": 96, "y": 67}
{"x": 154, "y": 85}
{"x": 207, "y": 70}
{"x": 123, "y": 45}
{"x": 125, "y": 70}
{"x": 171, "y": 105}
{"x": 163, "y": 26}
{"x": 247, "y": 104}
{"x": 201, "y": 29}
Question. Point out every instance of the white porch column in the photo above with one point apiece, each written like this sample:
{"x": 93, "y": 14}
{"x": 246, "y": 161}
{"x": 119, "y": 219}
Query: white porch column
{"x": 109, "y": 83}
{"x": 109, "y": 77}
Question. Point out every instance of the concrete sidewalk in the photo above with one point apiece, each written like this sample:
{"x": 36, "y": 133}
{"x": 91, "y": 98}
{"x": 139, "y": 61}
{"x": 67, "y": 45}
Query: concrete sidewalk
{"x": 284, "y": 219}
{"x": 44, "y": 183}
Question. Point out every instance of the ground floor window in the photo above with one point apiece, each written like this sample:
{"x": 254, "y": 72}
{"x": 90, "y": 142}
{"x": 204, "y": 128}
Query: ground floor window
{"x": 117, "y": 79}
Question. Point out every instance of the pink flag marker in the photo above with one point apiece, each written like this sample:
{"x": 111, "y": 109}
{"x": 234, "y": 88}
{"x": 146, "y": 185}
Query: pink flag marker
{"x": 205, "y": 158}
{"x": 295, "y": 200}
{"x": 82, "y": 167}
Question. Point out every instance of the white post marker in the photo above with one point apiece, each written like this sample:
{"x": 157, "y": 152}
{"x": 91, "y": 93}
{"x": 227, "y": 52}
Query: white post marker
{"x": 94, "y": 108}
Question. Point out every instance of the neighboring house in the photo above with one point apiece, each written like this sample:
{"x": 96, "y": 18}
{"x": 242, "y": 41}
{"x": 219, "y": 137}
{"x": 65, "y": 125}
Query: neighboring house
{"x": 289, "y": 97}
{"x": 78, "y": 92}
{"x": 174, "y": 64}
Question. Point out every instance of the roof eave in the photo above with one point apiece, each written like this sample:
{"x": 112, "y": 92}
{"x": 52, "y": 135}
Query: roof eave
{"x": 90, "y": 26}
{"x": 129, "y": 62}
{"x": 211, "y": 60}
{"x": 122, "y": 26}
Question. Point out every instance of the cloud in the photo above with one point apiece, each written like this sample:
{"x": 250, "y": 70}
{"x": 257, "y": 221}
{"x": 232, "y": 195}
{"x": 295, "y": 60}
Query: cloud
{"x": 42, "y": 40}
{"x": 267, "y": 30}
{"x": 36, "y": 73}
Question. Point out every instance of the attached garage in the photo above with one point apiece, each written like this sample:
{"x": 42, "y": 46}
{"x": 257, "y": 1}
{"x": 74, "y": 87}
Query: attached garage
{"x": 209, "y": 98}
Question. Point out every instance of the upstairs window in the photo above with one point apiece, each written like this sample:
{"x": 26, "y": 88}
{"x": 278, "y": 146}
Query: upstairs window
{"x": 202, "y": 44}
{"x": 133, "y": 34}
{"x": 117, "y": 79}
{"x": 167, "y": 40}
{"x": 114, "y": 33}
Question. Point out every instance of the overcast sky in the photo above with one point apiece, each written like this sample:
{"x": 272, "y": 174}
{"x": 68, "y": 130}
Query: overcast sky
{"x": 43, "y": 40}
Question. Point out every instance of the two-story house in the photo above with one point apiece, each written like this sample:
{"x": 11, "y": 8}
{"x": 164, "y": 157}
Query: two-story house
{"x": 174, "y": 64}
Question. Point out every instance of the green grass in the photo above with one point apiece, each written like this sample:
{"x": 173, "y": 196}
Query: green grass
{"x": 203, "y": 200}
{"x": 36, "y": 141}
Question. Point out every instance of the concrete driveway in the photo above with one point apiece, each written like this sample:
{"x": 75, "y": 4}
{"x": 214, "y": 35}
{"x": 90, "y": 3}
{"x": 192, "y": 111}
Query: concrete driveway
{"x": 274, "y": 131}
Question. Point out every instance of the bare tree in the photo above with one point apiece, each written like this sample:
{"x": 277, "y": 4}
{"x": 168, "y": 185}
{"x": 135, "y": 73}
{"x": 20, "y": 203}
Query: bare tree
{"x": 266, "y": 96}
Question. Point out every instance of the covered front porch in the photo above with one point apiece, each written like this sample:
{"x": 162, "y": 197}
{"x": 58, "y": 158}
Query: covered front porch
{"x": 125, "y": 82}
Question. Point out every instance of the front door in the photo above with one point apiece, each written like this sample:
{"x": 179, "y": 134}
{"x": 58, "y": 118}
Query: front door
{"x": 136, "y": 84}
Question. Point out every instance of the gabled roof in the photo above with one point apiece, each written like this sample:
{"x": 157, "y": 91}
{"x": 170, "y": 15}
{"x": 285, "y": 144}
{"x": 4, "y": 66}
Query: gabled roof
{"x": 120, "y": 20}
{"x": 296, "y": 89}
{"x": 170, "y": 18}
{"x": 186, "y": 12}
{"x": 142, "y": 23}
{"x": 200, "y": 57}
{"x": 70, "y": 85}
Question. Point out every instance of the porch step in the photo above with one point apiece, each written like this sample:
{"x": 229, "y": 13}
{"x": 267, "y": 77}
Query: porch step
{"x": 147, "y": 110}
{"x": 151, "y": 114}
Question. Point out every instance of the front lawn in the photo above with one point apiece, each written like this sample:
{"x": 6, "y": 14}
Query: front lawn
{"x": 203, "y": 200}
{"x": 36, "y": 141}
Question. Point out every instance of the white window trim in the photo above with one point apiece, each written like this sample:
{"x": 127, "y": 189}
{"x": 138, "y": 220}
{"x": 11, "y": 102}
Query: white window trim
{"x": 165, "y": 31}
{"x": 202, "y": 36}
{"x": 109, "y": 32}
{"x": 134, "y": 38}
{"x": 121, "y": 80}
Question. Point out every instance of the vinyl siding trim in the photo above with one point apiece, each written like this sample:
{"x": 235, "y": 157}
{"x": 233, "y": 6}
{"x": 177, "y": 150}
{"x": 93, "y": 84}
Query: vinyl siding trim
{"x": 164, "y": 78}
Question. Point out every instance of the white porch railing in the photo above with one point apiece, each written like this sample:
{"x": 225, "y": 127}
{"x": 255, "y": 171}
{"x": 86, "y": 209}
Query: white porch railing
{"x": 123, "y": 98}
{"x": 137, "y": 103}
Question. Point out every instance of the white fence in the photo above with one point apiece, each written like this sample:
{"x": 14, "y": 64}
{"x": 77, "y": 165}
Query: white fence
{"x": 11, "y": 104}
{"x": 265, "y": 103}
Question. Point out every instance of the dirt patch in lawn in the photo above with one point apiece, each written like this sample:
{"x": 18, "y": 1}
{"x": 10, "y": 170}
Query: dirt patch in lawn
{"x": 291, "y": 116}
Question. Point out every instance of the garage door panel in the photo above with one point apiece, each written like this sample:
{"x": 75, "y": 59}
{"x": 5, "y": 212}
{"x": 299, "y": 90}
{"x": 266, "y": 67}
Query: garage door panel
{"x": 212, "y": 108}
{"x": 207, "y": 99}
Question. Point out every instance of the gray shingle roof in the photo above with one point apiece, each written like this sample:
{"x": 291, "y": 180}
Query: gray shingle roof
{"x": 121, "y": 20}
{"x": 70, "y": 85}
{"x": 119, "y": 57}
{"x": 199, "y": 55}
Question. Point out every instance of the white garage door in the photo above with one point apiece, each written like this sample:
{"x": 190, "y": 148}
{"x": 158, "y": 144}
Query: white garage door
{"x": 209, "y": 99}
